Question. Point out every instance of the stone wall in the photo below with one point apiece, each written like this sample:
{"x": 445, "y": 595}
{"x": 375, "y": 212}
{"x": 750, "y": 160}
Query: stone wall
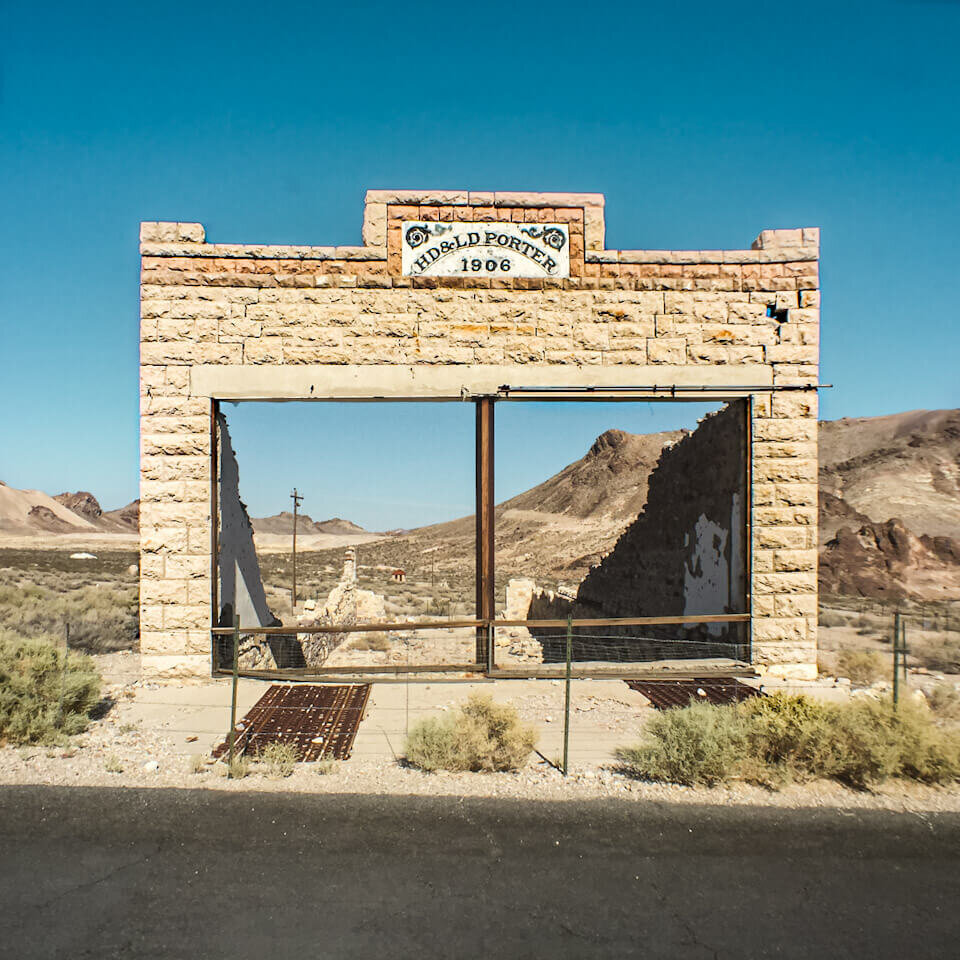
{"x": 216, "y": 315}
{"x": 686, "y": 553}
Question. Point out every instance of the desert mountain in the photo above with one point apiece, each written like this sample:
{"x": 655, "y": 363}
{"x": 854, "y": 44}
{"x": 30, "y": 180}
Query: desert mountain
{"x": 282, "y": 524}
{"x": 29, "y": 512}
{"x": 905, "y": 466}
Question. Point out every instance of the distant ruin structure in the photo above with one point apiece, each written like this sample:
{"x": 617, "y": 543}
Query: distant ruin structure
{"x": 493, "y": 298}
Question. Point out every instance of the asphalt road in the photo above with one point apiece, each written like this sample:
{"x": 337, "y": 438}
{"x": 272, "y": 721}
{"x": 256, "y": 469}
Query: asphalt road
{"x": 161, "y": 873}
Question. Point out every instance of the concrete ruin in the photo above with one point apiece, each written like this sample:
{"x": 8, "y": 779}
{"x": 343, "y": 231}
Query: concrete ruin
{"x": 485, "y": 297}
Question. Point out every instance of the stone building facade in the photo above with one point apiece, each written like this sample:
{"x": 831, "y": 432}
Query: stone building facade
{"x": 228, "y": 321}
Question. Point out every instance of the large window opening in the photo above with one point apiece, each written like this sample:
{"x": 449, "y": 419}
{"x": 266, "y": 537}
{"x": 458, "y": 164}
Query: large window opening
{"x": 463, "y": 536}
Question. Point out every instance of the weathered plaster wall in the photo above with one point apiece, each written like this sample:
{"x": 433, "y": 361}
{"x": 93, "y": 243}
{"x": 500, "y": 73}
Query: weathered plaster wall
{"x": 241, "y": 586}
{"x": 714, "y": 316}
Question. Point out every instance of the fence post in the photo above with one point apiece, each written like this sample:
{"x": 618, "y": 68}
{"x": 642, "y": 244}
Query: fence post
{"x": 896, "y": 657}
{"x": 63, "y": 671}
{"x": 566, "y": 697}
{"x": 231, "y": 737}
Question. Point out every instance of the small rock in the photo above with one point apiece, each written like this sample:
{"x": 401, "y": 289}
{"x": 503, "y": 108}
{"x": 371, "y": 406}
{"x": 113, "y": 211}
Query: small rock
{"x": 151, "y": 766}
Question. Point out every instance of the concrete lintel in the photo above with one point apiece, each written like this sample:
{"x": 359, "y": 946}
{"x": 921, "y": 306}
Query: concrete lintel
{"x": 434, "y": 382}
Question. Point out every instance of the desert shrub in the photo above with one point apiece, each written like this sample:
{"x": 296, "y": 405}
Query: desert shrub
{"x": 863, "y": 667}
{"x": 480, "y": 736}
{"x": 238, "y": 768}
{"x": 278, "y": 760}
{"x": 941, "y": 655}
{"x": 699, "y": 744}
{"x": 44, "y": 697}
{"x": 944, "y": 701}
{"x": 113, "y": 764}
{"x": 830, "y": 618}
{"x": 374, "y": 640}
{"x": 101, "y": 618}
{"x": 325, "y": 766}
{"x": 783, "y": 738}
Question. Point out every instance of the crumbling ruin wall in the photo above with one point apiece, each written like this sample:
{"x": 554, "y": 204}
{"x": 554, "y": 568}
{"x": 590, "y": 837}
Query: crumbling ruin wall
{"x": 685, "y": 553}
{"x": 241, "y": 583}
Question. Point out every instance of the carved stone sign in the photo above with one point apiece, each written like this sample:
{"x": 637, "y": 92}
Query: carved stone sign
{"x": 492, "y": 250}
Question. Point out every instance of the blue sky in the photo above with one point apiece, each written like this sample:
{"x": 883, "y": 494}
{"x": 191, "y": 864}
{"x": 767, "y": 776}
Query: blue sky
{"x": 702, "y": 124}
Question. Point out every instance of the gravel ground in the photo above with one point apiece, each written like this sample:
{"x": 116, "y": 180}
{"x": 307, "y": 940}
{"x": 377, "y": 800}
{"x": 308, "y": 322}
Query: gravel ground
{"x": 114, "y": 752}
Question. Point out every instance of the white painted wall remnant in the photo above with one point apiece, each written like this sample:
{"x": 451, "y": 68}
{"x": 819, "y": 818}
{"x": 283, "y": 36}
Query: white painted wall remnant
{"x": 706, "y": 574}
{"x": 241, "y": 585}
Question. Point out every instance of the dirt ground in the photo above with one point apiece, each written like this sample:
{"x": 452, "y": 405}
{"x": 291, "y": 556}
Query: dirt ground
{"x": 161, "y": 736}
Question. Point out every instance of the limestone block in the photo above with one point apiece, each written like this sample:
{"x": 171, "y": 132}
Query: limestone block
{"x": 792, "y": 560}
{"x": 786, "y": 582}
{"x": 786, "y": 516}
{"x": 264, "y": 350}
{"x": 170, "y": 513}
{"x": 784, "y": 448}
{"x": 806, "y": 670}
{"x": 708, "y": 353}
{"x": 161, "y": 467}
{"x": 763, "y": 494}
{"x": 746, "y": 312}
{"x": 796, "y": 605}
{"x": 782, "y": 538}
{"x": 186, "y": 616}
{"x": 164, "y": 592}
{"x": 193, "y": 425}
{"x": 635, "y": 357}
{"x": 152, "y": 566}
{"x": 198, "y": 590}
{"x": 763, "y": 606}
{"x": 187, "y": 567}
{"x": 797, "y": 494}
{"x": 237, "y": 330}
{"x": 762, "y": 560}
{"x": 171, "y": 667}
{"x": 151, "y": 615}
{"x": 174, "y": 444}
{"x": 785, "y": 629}
{"x": 794, "y": 405}
{"x": 162, "y": 539}
{"x": 785, "y": 430}
{"x": 783, "y": 469}
{"x": 791, "y": 353}
{"x": 666, "y": 350}
{"x": 809, "y": 298}
{"x": 794, "y": 374}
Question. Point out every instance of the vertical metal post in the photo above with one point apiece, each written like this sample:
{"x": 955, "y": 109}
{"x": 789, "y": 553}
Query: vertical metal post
{"x": 293, "y": 587}
{"x": 566, "y": 697}
{"x": 63, "y": 671}
{"x": 232, "y": 736}
{"x": 485, "y": 523}
{"x": 896, "y": 655}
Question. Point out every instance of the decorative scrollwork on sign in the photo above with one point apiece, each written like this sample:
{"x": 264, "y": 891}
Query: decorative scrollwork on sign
{"x": 417, "y": 235}
{"x": 531, "y": 231}
{"x": 553, "y": 237}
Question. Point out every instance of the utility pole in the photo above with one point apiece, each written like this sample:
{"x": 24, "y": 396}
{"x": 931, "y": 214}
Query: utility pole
{"x": 297, "y": 498}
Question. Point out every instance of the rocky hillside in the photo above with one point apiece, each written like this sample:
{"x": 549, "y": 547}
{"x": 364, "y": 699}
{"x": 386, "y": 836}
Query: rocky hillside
{"x": 282, "y": 524}
{"x": 32, "y": 512}
{"x": 905, "y": 466}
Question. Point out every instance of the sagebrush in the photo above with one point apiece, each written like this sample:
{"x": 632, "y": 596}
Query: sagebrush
{"x": 101, "y": 618}
{"x": 481, "y": 735}
{"x": 782, "y": 738}
{"x": 277, "y": 760}
{"x": 863, "y": 667}
{"x": 45, "y": 695}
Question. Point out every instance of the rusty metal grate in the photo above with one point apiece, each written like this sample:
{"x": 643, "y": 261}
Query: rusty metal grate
{"x": 664, "y": 694}
{"x": 317, "y": 720}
